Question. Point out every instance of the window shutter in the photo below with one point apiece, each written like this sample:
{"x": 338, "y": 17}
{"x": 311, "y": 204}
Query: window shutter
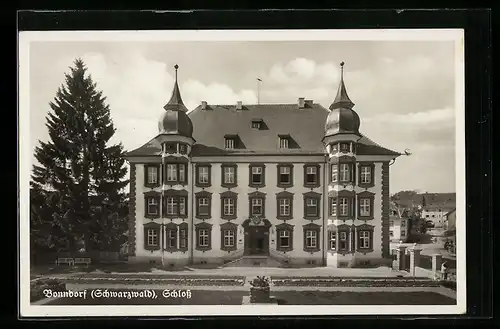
{"x": 353, "y": 173}
{"x": 146, "y": 175}
{"x": 146, "y": 206}
{"x": 305, "y": 209}
{"x": 146, "y": 246}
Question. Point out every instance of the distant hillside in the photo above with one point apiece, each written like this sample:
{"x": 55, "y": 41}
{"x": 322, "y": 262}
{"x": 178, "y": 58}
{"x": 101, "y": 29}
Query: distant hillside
{"x": 412, "y": 198}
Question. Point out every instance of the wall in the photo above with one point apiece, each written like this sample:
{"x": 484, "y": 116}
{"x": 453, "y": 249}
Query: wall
{"x": 140, "y": 252}
{"x": 398, "y": 228}
{"x": 298, "y": 255}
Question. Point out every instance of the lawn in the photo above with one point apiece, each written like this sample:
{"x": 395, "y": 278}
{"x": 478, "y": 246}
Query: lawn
{"x": 283, "y": 297}
{"x": 361, "y": 298}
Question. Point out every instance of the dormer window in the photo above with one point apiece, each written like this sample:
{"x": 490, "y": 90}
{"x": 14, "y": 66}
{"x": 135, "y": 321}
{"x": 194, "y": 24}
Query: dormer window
{"x": 284, "y": 141}
{"x": 230, "y": 142}
{"x": 344, "y": 147}
{"x": 257, "y": 123}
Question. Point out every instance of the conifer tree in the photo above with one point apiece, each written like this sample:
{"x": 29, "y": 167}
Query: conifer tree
{"x": 80, "y": 169}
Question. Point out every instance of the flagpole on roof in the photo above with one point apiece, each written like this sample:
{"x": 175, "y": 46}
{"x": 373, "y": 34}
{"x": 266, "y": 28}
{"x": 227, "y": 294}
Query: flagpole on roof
{"x": 258, "y": 90}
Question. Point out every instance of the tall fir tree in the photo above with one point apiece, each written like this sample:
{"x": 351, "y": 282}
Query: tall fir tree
{"x": 80, "y": 169}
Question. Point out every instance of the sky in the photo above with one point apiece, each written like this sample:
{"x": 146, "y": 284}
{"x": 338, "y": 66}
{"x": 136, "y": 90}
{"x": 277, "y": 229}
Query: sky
{"x": 404, "y": 91}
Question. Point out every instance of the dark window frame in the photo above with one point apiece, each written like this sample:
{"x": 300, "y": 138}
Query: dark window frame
{"x": 156, "y": 228}
{"x": 284, "y": 227}
{"x": 313, "y": 228}
{"x": 279, "y": 182}
{"x": 146, "y": 175}
{"x": 177, "y": 195}
{"x": 369, "y": 196}
{"x": 229, "y": 195}
{"x": 284, "y": 195}
{"x": 312, "y": 196}
{"x": 364, "y": 228}
{"x": 198, "y": 196}
{"x": 263, "y": 175}
{"x": 317, "y": 182}
{"x": 257, "y": 195}
{"x": 371, "y": 167}
{"x": 168, "y": 229}
{"x": 223, "y": 175}
{"x": 152, "y": 195}
{"x": 198, "y": 228}
{"x": 228, "y": 226}
{"x": 197, "y": 170}
{"x": 183, "y": 227}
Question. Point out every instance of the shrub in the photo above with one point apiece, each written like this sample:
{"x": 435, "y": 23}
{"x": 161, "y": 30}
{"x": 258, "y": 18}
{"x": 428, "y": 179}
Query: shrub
{"x": 260, "y": 282}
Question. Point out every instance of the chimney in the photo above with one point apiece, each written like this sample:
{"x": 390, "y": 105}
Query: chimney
{"x": 238, "y": 105}
{"x": 308, "y": 103}
{"x": 203, "y": 105}
{"x": 301, "y": 102}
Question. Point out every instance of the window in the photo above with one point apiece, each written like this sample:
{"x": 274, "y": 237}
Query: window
{"x": 257, "y": 206}
{"x": 151, "y": 178}
{"x": 311, "y": 175}
{"x": 366, "y": 175}
{"x": 182, "y": 206}
{"x": 171, "y": 172}
{"x": 364, "y": 239}
{"x": 285, "y": 175}
{"x": 344, "y": 172}
{"x": 229, "y": 175}
{"x": 256, "y": 124}
{"x": 391, "y": 233}
{"x": 228, "y": 204}
{"x": 171, "y": 205}
{"x": 335, "y": 148}
{"x": 183, "y": 238}
{"x": 229, "y": 143}
{"x": 391, "y": 223}
{"x": 152, "y": 237}
{"x": 257, "y": 175}
{"x": 333, "y": 238}
{"x": 152, "y": 175}
{"x": 364, "y": 207}
{"x": 283, "y": 143}
{"x": 203, "y": 238}
{"x": 170, "y": 147}
{"x": 229, "y": 238}
{"x": 403, "y": 223}
{"x": 403, "y": 233}
{"x": 152, "y": 206}
{"x": 335, "y": 173}
{"x": 182, "y": 173}
{"x": 311, "y": 237}
{"x": 203, "y": 206}
{"x": 284, "y": 239}
{"x": 344, "y": 207}
{"x": 311, "y": 207}
{"x": 333, "y": 206}
{"x": 171, "y": 239}
{"x": 284, "y": 207}
{"x": 343, "y": 241}
{"x": 344, "y": 147}
{"x": 182, "y": 149}
{"x": 203, "y": 175}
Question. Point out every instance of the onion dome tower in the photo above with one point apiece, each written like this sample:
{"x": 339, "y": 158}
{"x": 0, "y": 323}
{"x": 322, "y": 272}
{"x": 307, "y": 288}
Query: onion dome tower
{"x": 341, "y": 134}
{"x": 176, "y": 139}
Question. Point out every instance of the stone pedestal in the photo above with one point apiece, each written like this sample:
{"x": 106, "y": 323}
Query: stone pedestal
{"x": 400, "y": 257}
{"x": 414, "y": 259}
{"x": 437, "y": 261}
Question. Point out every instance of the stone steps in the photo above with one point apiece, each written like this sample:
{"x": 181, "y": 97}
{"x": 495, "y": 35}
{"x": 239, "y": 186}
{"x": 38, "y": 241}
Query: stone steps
{"x": 254, "y": 261}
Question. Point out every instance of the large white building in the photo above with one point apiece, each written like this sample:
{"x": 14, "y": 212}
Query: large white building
{"x": 294, "y": 184}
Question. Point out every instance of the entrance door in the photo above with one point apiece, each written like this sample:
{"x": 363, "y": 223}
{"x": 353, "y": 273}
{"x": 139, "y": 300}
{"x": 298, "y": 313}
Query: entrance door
{"x": 257, "y": 241}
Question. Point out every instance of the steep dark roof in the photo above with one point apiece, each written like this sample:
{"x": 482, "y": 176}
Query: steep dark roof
{"x": 303, "y": 125}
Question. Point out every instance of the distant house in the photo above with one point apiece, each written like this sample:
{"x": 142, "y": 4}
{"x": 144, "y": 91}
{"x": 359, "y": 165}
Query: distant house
{"x": 398, "y": 224}
{"x": 450, "y": 220}
{"x": 436, "y": 214}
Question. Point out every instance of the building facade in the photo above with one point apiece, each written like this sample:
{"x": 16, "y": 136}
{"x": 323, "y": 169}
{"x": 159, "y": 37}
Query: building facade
{"x": 436, "y": 214}
{"x": 398, "y": 225}
{"x": 295, "y": 183}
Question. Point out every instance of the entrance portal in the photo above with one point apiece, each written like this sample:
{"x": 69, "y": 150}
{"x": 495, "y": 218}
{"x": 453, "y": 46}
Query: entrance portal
{"x": 256, "y": 237}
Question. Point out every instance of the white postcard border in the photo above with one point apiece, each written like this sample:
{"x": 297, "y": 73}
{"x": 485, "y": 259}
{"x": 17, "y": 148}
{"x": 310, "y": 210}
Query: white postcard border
{"x": 25, "y": 38}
